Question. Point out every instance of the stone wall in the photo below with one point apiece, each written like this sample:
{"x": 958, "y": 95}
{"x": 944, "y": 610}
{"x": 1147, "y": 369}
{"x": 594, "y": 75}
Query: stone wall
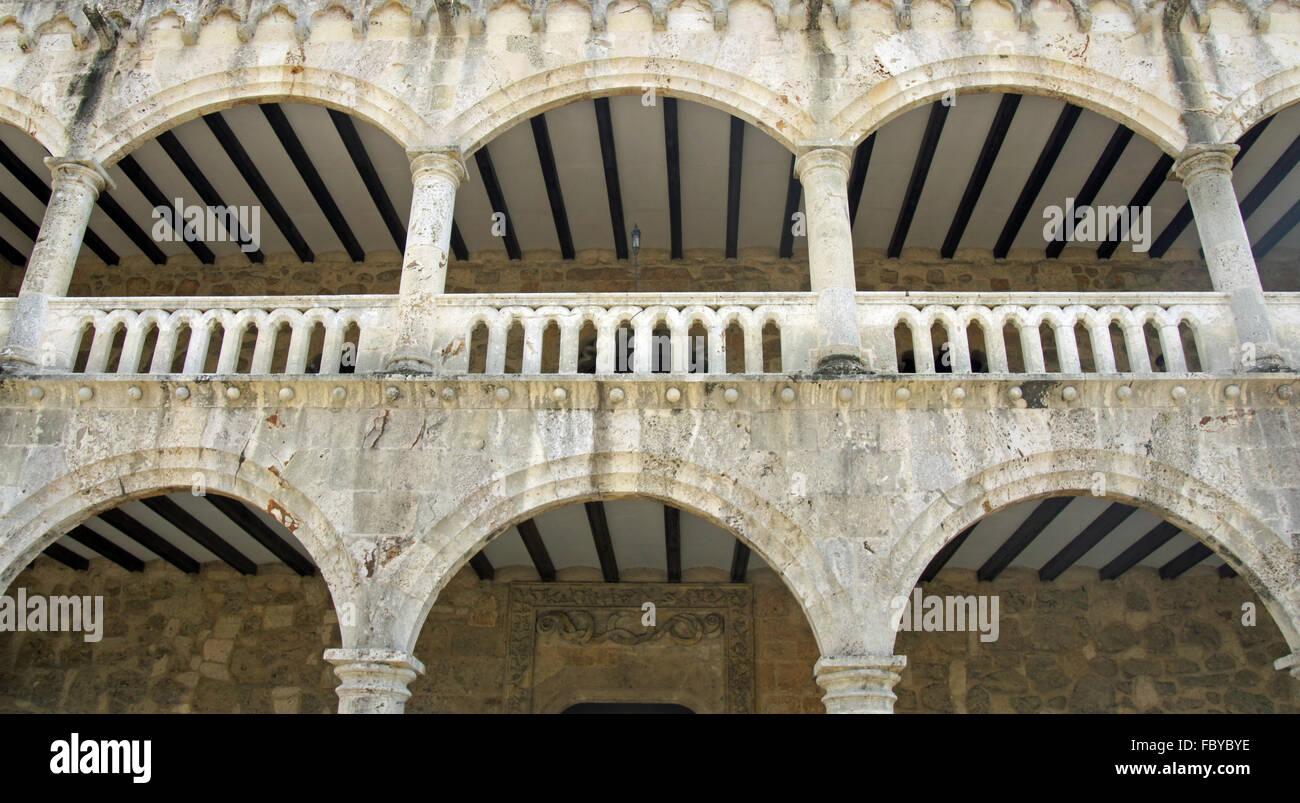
{"x": 756, "y": 270}
{"x": 221, "y": 642}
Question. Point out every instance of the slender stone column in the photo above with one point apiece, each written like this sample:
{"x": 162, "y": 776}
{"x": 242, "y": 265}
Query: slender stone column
{"x": 374, "y": 680}
{"x": 436, "y": 175}
{"x": 1206, "y": 172}
{"x": 75, "y": 184}
{"x": 859, "y": 684}
{"x": 824, "y": 173}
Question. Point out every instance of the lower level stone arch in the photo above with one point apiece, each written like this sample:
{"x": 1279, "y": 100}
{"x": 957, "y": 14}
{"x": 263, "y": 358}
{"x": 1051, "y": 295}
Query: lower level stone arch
{"x": 422, "y": 572}
{"x": 71, "y": 498}
{"x": 1237, "y": 534}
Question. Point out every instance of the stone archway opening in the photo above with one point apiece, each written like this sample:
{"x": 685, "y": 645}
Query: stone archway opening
{"x": 185, "y": 602}
{"x": 621, "y": 602}
{"x": 1085, "y": 604}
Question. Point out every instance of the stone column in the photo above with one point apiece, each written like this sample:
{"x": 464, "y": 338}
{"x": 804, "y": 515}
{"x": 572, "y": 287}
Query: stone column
{"x": 859, "y": 684}
{"x": 1206, "y": 172}
{"x": 436, "y": 175}
{"x": 824, "y": 173}
{"x": 374, "y": 680}
{"x": 75, "y": 184}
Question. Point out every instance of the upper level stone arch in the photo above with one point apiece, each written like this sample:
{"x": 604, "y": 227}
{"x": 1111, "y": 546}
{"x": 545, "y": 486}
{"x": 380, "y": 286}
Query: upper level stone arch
{"x": 772, "y": 113}
{"x": 27, "y": 115}
{"x": 1154, "y": 117}
{"x": 173, "y": 105}
{"x": 71, "y": 498}
{"x": 1263, "y": 100}
{"x": 421, "y": 572}
{"x": 1216, "y": 518}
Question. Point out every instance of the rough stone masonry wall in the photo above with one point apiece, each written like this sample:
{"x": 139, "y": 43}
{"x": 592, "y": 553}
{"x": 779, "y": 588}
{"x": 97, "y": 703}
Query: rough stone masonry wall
{"x": 222, "y": 642}
{"x": 756, "y": 270}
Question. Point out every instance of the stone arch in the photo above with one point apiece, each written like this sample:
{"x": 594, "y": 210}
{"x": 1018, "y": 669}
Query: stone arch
{"x": 178, "y": 104}
{"x": 71, "y": 498}
{"x": 1261, "y": 101}
{"x": 490, "y": 116}
{"x": 27, "y": 115}
{"x": 1119, "y": 100}
{"x": 421, "y": 573}
{"x": 1214, "y": 517}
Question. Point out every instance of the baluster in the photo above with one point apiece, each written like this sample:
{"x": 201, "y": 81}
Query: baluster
{"x": 534, "y": 327}
{"x": 101, "y": 345}
{"x": 1103, "y": 352}
{"x": 299, "y": 343}
{"x": 197, "y": 352}
{"x": 1031, "y": 344}
{"x": 570, "y": 331}
{"x": 498, "y": 331}
{"x": 331, "y": 353}
{"x": 1067, "y": 349}
{"x": 1171, "y": 343}
{"x": 133, "y": 346}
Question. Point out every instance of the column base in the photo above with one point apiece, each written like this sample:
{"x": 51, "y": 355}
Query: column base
{"x": 13, "y": 361}
{"x": 1289, "y": 663}
{"x": 842, "y": 360}
{"x": 859, "y": 684}
{"x": 1269, "y": 360}
{"x": 373, "y": 680}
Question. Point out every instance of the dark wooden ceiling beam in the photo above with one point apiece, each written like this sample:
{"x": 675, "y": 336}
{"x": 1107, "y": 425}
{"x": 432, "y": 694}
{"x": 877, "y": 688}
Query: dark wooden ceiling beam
{"x": 253, "y": 178}
{"x": 246, "y": 520}
{"x": 11, "y": 255}
{"x": 311, "y": 177}
{"x": 945, "y": 554}
{"x": 604, "y": 543}
{"x": 609, "y": 158}
{"x": 739, "y": 562}
{"x": 673, "y": 542}
{"x": 1272, "y": 179}
{"x": 980, "y": 175}
{"x": 97, "y": 543}
{"x": 155, "y": 197}
{"x": 1184, "y": 216}
{"x": 858, "y": 175}
{"x": 793, "y": 191}
{"x": 150, "y": 540}
{"x": 458, "y": 243}
{"x": 172, "y": 513}
{"x": 1140, "y": 549}
{"x": 673, "y": 152}
{"x": 207, "y": 193}
{"x": 1185, "y": 560}
{"x": 123, "y": 220}
{"x": 551, "y": 177}
{"x": 1110, "y": 156}
{"x": 482, "y": 566}
{"x": 1031, "y": 528}
{"x": 356, "y": 149}
{"x": 536, "y": 550}
{"x": 1227, "y": 572}
{"x": 67, "y": 557}
{"x": 41, "y": 191}
{"x": 1150, "y": 186}
{"x": 735, "y": 165}
{"x": 920, "y": 172}
{"x": 1099, "y": 528}
{"x": 497, "y": 198}
{"x": 1037, "y": 178}
{"x": 1279, "y": 230}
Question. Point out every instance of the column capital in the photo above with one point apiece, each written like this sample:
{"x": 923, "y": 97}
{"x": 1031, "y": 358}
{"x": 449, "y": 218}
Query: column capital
{"x": 82, "y": 171}
{"x": 1196, "y": 160}
{"x": 1289, "y": 663}
{"x": 813, "y": 157}
{"x": 374, "y": 680}
{"x": 437, "y": 162}
{"x": 859, "y": 684}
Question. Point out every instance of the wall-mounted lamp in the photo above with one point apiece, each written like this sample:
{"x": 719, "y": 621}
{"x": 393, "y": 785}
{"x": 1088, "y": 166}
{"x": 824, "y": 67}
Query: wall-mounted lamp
{"x": 636, "y": 253}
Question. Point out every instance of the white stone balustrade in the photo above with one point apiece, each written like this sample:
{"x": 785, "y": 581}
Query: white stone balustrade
{"x": 181, "y": 335}
{"x": 1022, "y": 334}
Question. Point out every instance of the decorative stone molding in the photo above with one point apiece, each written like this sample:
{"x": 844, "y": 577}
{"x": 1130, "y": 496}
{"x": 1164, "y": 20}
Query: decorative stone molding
{"x": 592, "y": 614}
{"x": 134, "y": 21}
{"x": 374, "y": 681}
{"x": 859, "y": 684}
